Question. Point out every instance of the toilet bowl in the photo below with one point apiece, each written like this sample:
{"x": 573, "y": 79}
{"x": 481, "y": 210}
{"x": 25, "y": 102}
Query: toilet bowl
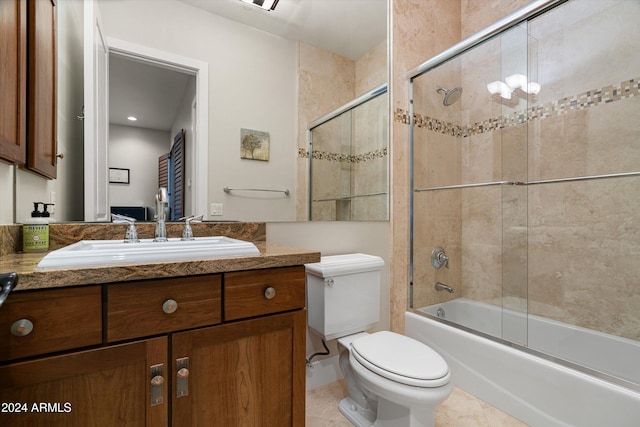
{"x": 392, "y": 380}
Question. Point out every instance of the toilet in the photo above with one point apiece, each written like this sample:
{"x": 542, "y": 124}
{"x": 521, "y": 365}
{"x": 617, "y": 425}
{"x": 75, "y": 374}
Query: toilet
{"x": 392, "y": 380}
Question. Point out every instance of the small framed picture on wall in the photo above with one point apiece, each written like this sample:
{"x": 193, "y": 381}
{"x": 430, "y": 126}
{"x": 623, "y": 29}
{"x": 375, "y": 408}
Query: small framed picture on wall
{"x": 118, "y": 176}
{"x": 254, "y": 145}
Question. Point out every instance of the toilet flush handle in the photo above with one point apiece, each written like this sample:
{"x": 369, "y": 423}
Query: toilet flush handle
{"x": 329, "y": 282}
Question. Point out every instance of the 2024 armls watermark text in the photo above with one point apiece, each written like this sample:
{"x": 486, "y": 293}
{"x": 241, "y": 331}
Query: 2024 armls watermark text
{"x": 36, "y": 407}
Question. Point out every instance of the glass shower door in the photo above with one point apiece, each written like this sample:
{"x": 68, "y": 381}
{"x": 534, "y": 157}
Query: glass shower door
{"x": 469, "y": 163}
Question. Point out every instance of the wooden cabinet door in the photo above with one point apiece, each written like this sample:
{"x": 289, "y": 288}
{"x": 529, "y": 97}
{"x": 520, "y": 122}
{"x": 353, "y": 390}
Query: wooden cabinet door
{"x": 245, "y": 374}
{"x": 41, "y": 106}
{"x": 13, "y": 80}
{"x": 105, "y": 387}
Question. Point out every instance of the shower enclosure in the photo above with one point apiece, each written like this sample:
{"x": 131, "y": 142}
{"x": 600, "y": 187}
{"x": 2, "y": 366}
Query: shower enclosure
{"x": 349, "y": 173}
{"x": 530, "y": 181}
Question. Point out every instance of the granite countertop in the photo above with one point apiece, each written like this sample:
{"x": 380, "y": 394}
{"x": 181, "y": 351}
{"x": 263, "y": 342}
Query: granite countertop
{"x": 60, "y": 235}
{"x": 271, "y": 255}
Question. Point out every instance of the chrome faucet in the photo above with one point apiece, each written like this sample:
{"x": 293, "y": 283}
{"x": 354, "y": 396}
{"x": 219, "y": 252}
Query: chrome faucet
{"x": 187, "y": 234}
{"x": 162, "y": 199}
{"x": 442, "y": 287}
{"x": 131, "y": 236}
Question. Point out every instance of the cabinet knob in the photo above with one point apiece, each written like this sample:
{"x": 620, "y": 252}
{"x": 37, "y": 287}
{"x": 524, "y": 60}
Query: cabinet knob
{"x": 157, "y": 380}
{"x": 169, "y": 306}
{"x": 182, "y": 373}
{"x": 269, "y": 293}
{"x": 22, "y": 327}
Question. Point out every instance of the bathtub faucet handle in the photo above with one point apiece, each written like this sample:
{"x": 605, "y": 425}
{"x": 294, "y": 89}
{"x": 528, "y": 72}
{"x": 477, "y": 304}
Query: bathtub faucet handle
{"x": 439, "y": 258}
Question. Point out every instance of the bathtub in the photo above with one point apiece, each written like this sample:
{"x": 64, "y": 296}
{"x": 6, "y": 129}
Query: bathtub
{"x": 537, "y": 390}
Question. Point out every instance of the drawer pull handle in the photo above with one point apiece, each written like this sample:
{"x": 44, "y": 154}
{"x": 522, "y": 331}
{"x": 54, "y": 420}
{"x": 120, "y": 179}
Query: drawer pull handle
{"x": 157, "y": 384}
{"x": 182, "y": 377}
{"x": 269, "y": 293}
{"x": 169, "y": 306}
{"x": 22, "y": 327}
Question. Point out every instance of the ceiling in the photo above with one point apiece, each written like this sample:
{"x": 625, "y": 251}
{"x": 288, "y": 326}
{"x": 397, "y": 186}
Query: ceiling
{"x": 348, "y": 28}
{"x": 134, "y": 91}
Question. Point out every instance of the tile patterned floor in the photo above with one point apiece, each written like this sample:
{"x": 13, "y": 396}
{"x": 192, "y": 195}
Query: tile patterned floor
{"x": 459, "y": 410}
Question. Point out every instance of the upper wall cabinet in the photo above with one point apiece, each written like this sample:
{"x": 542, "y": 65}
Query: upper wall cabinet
{"x": 13, "y": 81}
{"x": 28, "y": 122}
{"x": 41, "y": 88}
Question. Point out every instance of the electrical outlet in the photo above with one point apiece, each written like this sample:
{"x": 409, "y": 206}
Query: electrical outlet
{"x": 216, "y": 209}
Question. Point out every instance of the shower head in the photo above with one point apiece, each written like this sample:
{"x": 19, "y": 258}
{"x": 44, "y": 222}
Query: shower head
{"x": 450, "y": 95}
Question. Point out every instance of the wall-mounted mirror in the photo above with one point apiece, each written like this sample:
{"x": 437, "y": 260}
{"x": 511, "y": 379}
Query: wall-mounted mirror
{"x": 272, "y": 73}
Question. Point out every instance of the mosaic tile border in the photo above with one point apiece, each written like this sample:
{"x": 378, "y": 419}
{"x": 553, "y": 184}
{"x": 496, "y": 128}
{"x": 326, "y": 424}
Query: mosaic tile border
{"x": 610, "y": 93}
{"x": 347, "y": 158}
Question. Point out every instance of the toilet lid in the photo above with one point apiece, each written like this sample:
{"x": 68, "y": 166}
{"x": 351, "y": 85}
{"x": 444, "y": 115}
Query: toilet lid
{"x": 401, "y": 359}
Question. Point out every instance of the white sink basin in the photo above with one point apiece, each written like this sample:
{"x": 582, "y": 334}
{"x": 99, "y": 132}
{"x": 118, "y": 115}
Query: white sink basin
{"x": 96, "y": 253}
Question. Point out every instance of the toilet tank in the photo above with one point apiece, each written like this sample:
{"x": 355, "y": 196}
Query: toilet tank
{"x": 343, "y": 294}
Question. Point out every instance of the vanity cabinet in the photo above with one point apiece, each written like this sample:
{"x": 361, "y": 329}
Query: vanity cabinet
{"x": 103, "y": 387}
{"x": 41, "y": 322}
{"x": 28, "y": 85}
{"x": 150, "y": 307}
{"x": 248, "y": 373}
{"x": 212, "y": 350}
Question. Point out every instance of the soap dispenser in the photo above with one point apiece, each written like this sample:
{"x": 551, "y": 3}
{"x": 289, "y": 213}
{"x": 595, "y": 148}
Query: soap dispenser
{"x": 46, "y": 213}
{"x": 35, "y": 230}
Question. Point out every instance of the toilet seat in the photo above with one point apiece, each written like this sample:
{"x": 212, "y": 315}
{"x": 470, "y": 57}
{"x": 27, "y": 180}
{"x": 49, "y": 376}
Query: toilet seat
{"x": 402, "y": 359}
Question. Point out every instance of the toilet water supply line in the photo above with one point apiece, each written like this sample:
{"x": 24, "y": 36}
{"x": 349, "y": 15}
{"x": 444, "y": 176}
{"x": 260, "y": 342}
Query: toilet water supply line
{"x": 320, "y": 353}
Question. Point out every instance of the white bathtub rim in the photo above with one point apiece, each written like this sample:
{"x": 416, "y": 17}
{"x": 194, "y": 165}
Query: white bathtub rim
{"x": 582, "y": 369}
{"x": 581, "y": 384}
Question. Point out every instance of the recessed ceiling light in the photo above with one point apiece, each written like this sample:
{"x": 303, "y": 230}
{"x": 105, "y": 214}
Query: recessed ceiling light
{"x": 263, "y": 4}
{"x": 132, "y": 118}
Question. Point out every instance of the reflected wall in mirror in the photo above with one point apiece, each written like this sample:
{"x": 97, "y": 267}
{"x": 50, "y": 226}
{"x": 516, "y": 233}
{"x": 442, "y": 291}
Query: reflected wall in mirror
{"x": 278, "y": 83}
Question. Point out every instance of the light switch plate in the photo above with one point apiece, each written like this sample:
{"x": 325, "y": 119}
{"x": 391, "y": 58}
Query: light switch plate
{"x": 216, "y": 209}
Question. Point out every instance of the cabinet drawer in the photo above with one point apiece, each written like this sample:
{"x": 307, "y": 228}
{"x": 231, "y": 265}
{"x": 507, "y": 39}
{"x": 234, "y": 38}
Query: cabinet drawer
{"x": 150, "y": 307}
{"x": 258, "y": 292}
{"x": 61, "y": 319}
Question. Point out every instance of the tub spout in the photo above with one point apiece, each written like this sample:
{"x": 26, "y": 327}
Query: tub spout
{"x": 442, "y": 287}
